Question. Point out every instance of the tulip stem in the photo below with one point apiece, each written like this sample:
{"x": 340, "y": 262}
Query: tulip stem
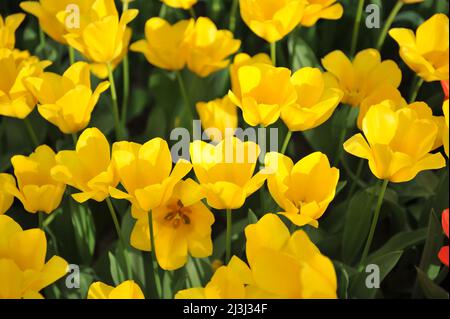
{"x": 74, "y": 139}
{"x": 31, "y": 132}
{"x": 187, "y": 104}
{"x": 41, "y": 220}
{"x": 356, "y": 27}
{"x": 273, "y": 53}
{"x": 154, "y": 261}
{"x": 119, "y": 234}
{"x": 415, "y": 89}
{"x": 228, "y": 236}
{"x": 114, "y": 101}
{"x": 192, "y": 12}
{"x": 234, "y": 7}
{"x": 71, "y": 55}
{"x": 376, "y": 216}
{"x": 387, "y": 24}
{"x": 126, "y": 89}
{"x": 287, "y": 139}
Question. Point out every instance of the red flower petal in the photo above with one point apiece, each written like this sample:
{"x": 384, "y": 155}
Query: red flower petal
{"x": 445, "y": 88}
{"x": 443, "y": 255}
{"x": 445, "y": 221}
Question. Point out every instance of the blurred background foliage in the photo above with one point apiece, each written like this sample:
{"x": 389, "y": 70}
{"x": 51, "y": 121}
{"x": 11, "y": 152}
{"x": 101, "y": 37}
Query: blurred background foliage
{"x": 409, "y": 232}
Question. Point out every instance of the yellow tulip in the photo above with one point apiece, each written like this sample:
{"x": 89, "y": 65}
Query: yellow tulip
{"x": 88, "y": 168}
{"x": 165, "y": 45}
{"x": 243, "y": 59}
{"x": 272, "y": 20}
{"x": 47, "y": 12}
{"x": 218, "y": 116}
{"x": 446, "y": 129}
{"x": 6, "y": 199}
{"x": 210, "y": 48}
{"x": 360, "y": 77}
{"x": 265, "y": 90}
{"x": 67, "y": 101}
{"x": 37, "y": 190}
{"x": 321, "y": 9}
{"x": 8, "y": 27}
{"x": 398, "y": 143}
{"x": 225, "y": 171}
{"x": 183, "y": 4}
{"x": 316, "y": 101}
{"x": 426, "y": 52}
{"x": 182, "y": 227}
{"x": 145, "y": 172}
{"x": 23, "y": 270}
{"x": 126, "y": 290}
{"x": 15, "y": 99}
{"x": 303, "y": 190}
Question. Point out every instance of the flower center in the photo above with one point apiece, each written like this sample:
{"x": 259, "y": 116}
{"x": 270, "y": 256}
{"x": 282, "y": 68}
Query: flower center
{"x": 178, "y": 215}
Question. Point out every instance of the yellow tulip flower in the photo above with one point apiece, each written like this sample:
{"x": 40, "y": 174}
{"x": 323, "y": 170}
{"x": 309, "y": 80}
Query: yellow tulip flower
{"x": 88, "y": 168}
{"x": 37, "y": 190}
{"x": 8, "y": 27}
{"x": 303, "y": 190}
{"x": 360, "y": 77}
{"x": 6, "y": 199}
{"x": 47, "y": 12}
{"x": 182, "y": 227}
{"x": 272, "y": 20}
{"x": 71, "y": 102}
{"x": 210, "y": 48}
{"x": 265, "y": 90}
{"x": 426, "y": 52}
{"x": 23, "y": 270}
{"x": 145, "y": 172}
{"x": 126, "y": 290}
{"x": 398, "y": 143}
{"x": 315, "y": 101}
{"x": 321, "y": 9}
{"x": 446, "y": 129}
{"x": 218, "y": 116}
{"x": 243, "y": 59}
{"x": 183, "y": 4}
{"x": 226, "y": 171}
{"x": 165, "y": 45}
{"x": 15, "y": 99}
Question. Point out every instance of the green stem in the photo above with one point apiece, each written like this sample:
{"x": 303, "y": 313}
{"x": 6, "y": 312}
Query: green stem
{"x": 356, "y": 27}
{"x": 162, "y": 11}
{"x": 119, "y": 234}
{"x": 387, "y": 24}
{"x": 192, "y": 12}
{"x": 187, "y": 104}
{"x": 42, "y": 41}
{"x": 415, "y": 90}
{"x": 273, "y": 53}
{"x": 71, "y": 55}
{"x": 286, "y": 142}
{"x": 228, "y": 236}
{"x": 41, "y": 220}
{"x": 376, "y": 216}
{"x": 114, "y": 101}
{"x": 74, "y": 139}
{"x": 154, "y": 261}
{"x": 126, "y": 89}
{"x": 31, "y": 132}
{"x": 234, "y": 7}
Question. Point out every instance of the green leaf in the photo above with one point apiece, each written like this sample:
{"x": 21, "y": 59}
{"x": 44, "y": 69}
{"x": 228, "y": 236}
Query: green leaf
{"x": 84, "y": 229}
{"x": 301, "y": 53}
{"x": 117, "y": 272}
{"x": 429, "y": 288}
{"x": 252, "y": 218}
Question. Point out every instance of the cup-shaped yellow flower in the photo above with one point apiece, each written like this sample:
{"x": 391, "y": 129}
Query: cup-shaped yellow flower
{"x": 67, "y": 101}
{"x": 8, "y": 27}
{"x": 36, "y": 188}
{"x": 23, "y": 270}
{"x": 126, "y": 290}
{"x": 146, "y": 174}
{"x": 316, "y": 101}
{"x": 15, "y": 99}
{"x": 88, "y": 168}
{"x": 6, "y": 199}
{"x": 397, "y": 144}
{"x": 47, "y": 13}
{"x": 360, "y": 77}
{"x": 272, "y": 20}
{"x": 165, "y": 46}
{"x": 226, "y": 171}
{"x": 243, "y": 59}
{"x": 321, "y": 9}
{"x": 182, "y": 227}
{"x": 210, "y": 48}
{"x": 180, "y": 4}
{"x": 303, "y": 190}
{"x": 426, "y": 52}
{"x": 446, "y": 128}
{"x": 219, "y": 118}
{"x": 265, "y": 90}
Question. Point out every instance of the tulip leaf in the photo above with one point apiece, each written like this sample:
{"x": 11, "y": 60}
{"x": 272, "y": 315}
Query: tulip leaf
{"x": 84, "y": 230}
{"x": 252, "y": 218}
{"x": 429, "y": 288}
{"x": 301, "y": 53}
{"x": 117, "y": 272}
